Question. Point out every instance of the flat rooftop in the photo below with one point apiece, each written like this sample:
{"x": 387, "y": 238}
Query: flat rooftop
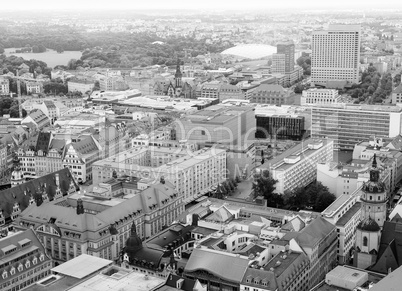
{"x": 358, "y": 107}
{"x": 122, "y": 280}
{"x": 302, "y": 150}
{"x": 331, "y": 209}
{"x": 81, "y": 266}
{"x": 349, "y": 214}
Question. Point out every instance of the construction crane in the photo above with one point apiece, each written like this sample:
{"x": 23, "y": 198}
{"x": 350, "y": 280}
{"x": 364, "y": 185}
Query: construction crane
{"x": 19, "y": 95}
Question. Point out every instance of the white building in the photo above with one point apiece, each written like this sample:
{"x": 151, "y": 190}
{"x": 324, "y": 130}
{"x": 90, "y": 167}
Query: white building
{"x": 348, "y": 124}
{"x": 278, "y": 63}
{"x": 33, "y": 87}
{"x": 4, "y": 86}
{"x": 192, "y": 173}
{"x": 345, "y": 214}
{"x": 336, "y": 54}
{"x": 82, "y": 86}
{"x": 397, "y": 95}
{"x": 296, "y": 167}
{"x": 319, "y": 96}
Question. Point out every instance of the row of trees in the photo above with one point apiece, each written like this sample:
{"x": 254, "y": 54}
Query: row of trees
{"x": 226, "y": 188}
{"x": 315, "y": 196}
{"x": 305, "y": 62}
{"x": 9, "y": 105}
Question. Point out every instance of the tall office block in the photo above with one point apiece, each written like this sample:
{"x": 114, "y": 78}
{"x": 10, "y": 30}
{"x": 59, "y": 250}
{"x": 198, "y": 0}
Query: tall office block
{"x": 335, "y": 54}
{"x": 287, "y": 49}
{"x": 350, "y": 124}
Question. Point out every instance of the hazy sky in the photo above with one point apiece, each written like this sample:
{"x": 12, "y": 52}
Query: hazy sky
{"x": 197, "y": 4}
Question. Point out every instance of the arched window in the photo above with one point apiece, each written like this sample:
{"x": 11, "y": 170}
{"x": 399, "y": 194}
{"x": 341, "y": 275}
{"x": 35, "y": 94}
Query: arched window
{"x": 365, "y": 241}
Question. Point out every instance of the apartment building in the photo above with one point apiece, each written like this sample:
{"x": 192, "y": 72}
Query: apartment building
{"x": 345, "y": 214}
{"x": 192, "y": 173}
{"x": 24, "y": 261}
{"x": 278, "y": 63}
{"x": 296, "y": 167}
{"x": 227, "y": 91}
{"x": 288, "y": 50}
{"x": 349, "y": 124}
{"x": 335, "y": 54}
{"x": 78, "y": 85}
{"x": 319, "y": 96}
{"x": 34, "y": 87}
{"x": 4, "y": 86}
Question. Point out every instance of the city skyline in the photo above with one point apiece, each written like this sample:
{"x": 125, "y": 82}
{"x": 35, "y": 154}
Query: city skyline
{"x": 208, "y": 5}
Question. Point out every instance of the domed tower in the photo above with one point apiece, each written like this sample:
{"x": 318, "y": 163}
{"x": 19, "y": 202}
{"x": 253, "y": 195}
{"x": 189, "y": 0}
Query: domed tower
{"x": 17, "y": 176}
{"x": 374, "y": 197}
{"x": 133, "y": 243}
{"x": 368, "y": 235}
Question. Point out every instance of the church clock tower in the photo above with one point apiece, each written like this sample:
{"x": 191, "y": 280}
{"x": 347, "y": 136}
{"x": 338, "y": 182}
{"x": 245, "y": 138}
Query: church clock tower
{"x": 178, "y": 79}
{"x": 374, "y": 197}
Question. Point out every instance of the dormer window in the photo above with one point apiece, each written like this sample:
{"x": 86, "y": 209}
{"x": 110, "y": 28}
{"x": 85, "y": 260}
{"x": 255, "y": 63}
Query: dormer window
{"x": 27, "y": 264}
{"x": 35, "y": 260}
{"x": 42, "y": 257}
{"x": 4, "y": 275}
{"x": 12, "y": 271}
{"x": 20, "y": 268}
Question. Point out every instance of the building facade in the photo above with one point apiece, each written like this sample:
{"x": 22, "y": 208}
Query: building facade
{"x": 319, "y": 96}
{"x": 4, "y": 86}
{"x": 192, "y": 173}
{"x": 288, "y": 50}
{"x": 296, "y": 167}
{"x": 280, "y": 127}
{"x": 335, "y": 54}
{"x": 349, "y": 124}
{"x": 272, "y": 94}
{"x": 24, "y": 261}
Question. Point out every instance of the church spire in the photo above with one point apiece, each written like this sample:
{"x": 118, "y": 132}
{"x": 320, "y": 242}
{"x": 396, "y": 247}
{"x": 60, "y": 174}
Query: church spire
{"x": 374, "y": 172}
{"x": 178, "y": 75}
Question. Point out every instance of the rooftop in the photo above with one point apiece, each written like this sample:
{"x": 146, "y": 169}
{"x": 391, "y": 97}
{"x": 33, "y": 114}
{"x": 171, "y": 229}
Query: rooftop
{"x": 81, "y": 266}
{"x": 349, "y": 214}
{"x": 117, "y": 279}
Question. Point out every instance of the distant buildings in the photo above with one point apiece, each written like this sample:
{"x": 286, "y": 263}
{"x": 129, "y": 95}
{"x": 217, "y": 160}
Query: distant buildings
{"x": 280, "y": 127}
{"x": 348, "y": 124}
{"x": 33, "y": 87}
{"x": 272, "y": 94}
{"x": 4, "y": 86}
{"x": 319, "y": 96}
{"x": 78, "y": 85}
{"x": 335, "y": 54}
{"x": 296, "y": 167}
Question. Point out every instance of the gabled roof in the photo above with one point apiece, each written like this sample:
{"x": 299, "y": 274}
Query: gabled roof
{"x": 85, "y": 146}
{"x": 267, "y": 276}
{"x": 187, "y": 285}
{"x": 222, "y": 265}
{"x": 21, "y": 193}
{"x": 220, "y": 215}
{"x": 390, "y": 250}
{"x": 314, "y": 232}
{"x": 19, "y": 240}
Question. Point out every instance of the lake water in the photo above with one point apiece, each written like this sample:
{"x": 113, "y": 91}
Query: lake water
{"x": 50, "y": 57}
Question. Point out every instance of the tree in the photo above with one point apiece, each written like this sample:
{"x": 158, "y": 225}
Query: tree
{"x": 397, "y": 79}
{"x": 264, "y": 185}
{"x": 299, "y": 88}
{"x": 96, "y": 86}
{"x": 1, "y": 50}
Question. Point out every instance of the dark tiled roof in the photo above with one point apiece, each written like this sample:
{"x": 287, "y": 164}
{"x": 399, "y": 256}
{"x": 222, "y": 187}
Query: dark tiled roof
{"x": 217, "y": 263}
{"x": 18, "y": 241}
{"x": 188, "y": 284}
{"x": 21, "y": 193}
{"x": 85, "y": 146}
{"x": 43, "y": 141}
{"x": 349, "y": 214}
{"x": 390, "y": 251}
{"x": 368, "y": 224}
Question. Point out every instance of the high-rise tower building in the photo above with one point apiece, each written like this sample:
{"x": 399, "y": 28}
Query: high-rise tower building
{"x": 288, "y": 50}
{"x": 335, "y": 54}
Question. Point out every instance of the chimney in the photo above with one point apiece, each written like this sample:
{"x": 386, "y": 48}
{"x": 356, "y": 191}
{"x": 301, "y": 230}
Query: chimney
{"x": 57, "y": 180}
{"x": 80, "y": 207}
